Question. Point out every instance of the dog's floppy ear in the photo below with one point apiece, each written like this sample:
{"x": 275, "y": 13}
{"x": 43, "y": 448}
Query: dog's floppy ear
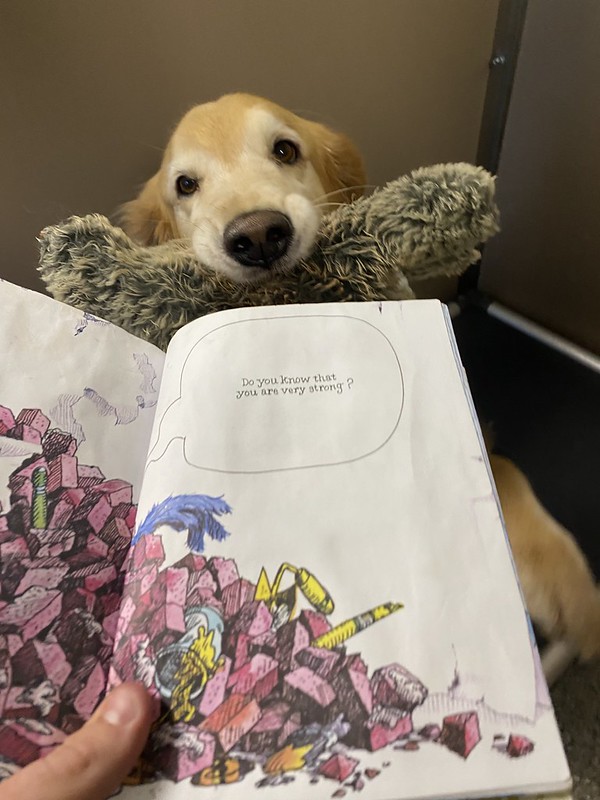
{"x": 339, "y": 164}
{"x": 148, "y": 219}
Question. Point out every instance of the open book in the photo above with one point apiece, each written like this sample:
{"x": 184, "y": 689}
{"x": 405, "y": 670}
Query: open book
{"x": 320, "y": 594}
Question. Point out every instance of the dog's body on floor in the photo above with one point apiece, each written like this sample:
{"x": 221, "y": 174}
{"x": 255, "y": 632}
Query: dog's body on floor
{"x": 246, "y": 182}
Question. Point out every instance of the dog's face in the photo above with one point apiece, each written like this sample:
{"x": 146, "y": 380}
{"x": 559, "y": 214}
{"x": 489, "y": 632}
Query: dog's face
{"x": 245, "y": 181}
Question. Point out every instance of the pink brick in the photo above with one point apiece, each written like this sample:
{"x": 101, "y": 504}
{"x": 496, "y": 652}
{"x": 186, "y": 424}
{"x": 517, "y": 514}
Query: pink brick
{"x": 232, "y": 720}
{"x": 14, "y": 643}
{"x": 89, "y": 696}
{"x": 116, "y": 491}
{"x": 320, "y": 660}
{"x": 193, "y": 562}
{"x": 15, "y": 547}
{"x": 27, "y": 470}
{"x": 272, "y": 729}
{"x": 257, "y": 678}
{"x": 44, "y": 618}
{"x": 110, "y": 602}
{"x": 291, "y": 638}
{"x": 177, "y": 582}
{"x": 518, "y": 746}
{"x": 178, "y": 763}
{"x": 224, "y": 570}
{"x": 74, "y": 496}
{"x": 100, "y": 578}
{"x": 379, "y": 735}
{"x": 201, "y": 580}
{"x": 26, "y": 607}
{"x": 47, "y": 573}
{"x": 61, "y": 513}
{"x": 95, "y": 511}
{"x": 62, "y": 473}
{"x": 34, "y": 418}
{"x": 53, "y": 543}
{"x": 338, "y": 767}
{"x": 130, "y": 517}
{"x": 254, "y": 619}
{"x": 127, "y": 613}
{"x": 355, "y": 662}
{"x": 79, "y": 598}
{"x": 89, "y": 476}
{"x": 116, "y": 534}
{"x": 237, "y": 646}
{"x": 165, "y": 619}
{"x": 95, "y": 545}
{"x": 395, "y": 686}
{"x": 124, "y": 654}
{"x": 214, "y": 691}
{"x": 264, "y": 643}
{"x": 314, "y": 622}
{"x": 56, "y": 442}
{"x": 140, "y": 581}
{"x": 307, "y": 692}
{"x": 236, "y": 595}
{"x": 25, "y": 433}
{"x": 460, "y": 733}
{"x": 354, "y": 692}
{"x": 7, "y": 420}
{"x": 55, "y": 663}
{"x": 148, "y": 548}
{"x": 21, "y": 487}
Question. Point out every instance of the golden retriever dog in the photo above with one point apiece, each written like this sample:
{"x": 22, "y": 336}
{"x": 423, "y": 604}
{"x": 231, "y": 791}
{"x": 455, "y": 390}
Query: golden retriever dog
{"x": 246, "y": 182}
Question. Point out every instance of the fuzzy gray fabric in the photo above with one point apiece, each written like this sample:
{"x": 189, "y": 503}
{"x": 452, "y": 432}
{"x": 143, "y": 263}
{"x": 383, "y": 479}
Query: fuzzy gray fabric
{"x": 425, "y": 224}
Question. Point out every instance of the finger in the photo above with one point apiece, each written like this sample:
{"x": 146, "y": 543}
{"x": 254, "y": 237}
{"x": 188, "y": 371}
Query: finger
{"x": 91, "y": 763}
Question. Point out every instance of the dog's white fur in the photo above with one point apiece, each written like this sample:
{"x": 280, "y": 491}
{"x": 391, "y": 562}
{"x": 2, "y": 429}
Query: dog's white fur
{"x": 227, "y": 147}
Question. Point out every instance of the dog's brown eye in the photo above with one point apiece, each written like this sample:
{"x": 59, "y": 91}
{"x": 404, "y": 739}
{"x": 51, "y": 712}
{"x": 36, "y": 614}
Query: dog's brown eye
{"x": 186, "y": 185}
{"x": 286, "y": 152}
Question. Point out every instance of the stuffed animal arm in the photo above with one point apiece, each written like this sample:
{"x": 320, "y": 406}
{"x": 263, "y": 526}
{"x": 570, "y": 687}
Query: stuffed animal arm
{"x": 425, "y": 224}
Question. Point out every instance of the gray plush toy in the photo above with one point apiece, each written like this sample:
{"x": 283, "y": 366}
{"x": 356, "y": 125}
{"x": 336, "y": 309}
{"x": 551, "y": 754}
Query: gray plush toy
{"x": 423, "y": 225}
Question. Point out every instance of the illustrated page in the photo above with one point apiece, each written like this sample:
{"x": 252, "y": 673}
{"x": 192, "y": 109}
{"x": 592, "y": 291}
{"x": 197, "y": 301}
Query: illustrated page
{"x": 321, "y": 594}
{"x": 77, "y": 402}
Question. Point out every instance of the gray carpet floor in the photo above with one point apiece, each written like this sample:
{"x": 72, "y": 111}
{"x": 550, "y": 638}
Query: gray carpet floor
{"x": 576, "y": 698}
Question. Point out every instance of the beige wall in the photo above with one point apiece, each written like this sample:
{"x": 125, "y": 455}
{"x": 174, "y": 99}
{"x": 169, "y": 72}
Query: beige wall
{"x": 546, "y": 262}
{"x": 89, "y": 90}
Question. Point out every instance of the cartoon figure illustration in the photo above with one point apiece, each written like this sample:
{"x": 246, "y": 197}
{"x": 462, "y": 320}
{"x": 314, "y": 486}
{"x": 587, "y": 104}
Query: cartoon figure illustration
{"x": 193, "y": 513}
{"x": 184, "y": 668}
{"x": 282, "y": 603}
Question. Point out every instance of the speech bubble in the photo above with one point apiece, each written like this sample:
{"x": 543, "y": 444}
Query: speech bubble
{"x": 270, "y": 394}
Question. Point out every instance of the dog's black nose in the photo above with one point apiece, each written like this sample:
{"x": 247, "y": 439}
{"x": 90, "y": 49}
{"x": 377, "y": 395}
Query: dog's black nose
{"x": 258, "y": 238}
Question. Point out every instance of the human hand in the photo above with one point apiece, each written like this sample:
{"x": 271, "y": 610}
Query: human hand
{"x": 91, "y": 763}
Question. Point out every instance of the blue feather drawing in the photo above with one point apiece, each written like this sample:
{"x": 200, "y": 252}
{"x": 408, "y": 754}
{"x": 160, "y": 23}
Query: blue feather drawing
{"x": 193, "y": 513}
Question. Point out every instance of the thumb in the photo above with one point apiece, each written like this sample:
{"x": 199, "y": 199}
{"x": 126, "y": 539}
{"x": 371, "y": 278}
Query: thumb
{"x": 91, "y": 763}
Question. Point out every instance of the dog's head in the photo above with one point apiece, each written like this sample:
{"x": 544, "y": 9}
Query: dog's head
{"x": 245, "y": 181}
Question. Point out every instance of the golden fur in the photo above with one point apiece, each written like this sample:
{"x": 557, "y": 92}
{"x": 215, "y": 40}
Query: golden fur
{"x": 227, "y": 147}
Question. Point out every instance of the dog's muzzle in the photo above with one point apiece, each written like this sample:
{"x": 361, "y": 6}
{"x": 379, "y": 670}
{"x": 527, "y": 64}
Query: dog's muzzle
{"x": 258, "y": 238}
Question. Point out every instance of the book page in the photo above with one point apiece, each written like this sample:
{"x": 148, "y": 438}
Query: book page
{"x": 77, "y": 402}
{"x": 321, "y": 594}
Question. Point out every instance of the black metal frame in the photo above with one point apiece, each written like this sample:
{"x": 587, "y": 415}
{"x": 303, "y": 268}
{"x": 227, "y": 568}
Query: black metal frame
{"x": 503, "y": 63}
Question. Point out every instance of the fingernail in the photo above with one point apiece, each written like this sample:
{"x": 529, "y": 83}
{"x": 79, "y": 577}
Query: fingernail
{"x": 121, "y": 707}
